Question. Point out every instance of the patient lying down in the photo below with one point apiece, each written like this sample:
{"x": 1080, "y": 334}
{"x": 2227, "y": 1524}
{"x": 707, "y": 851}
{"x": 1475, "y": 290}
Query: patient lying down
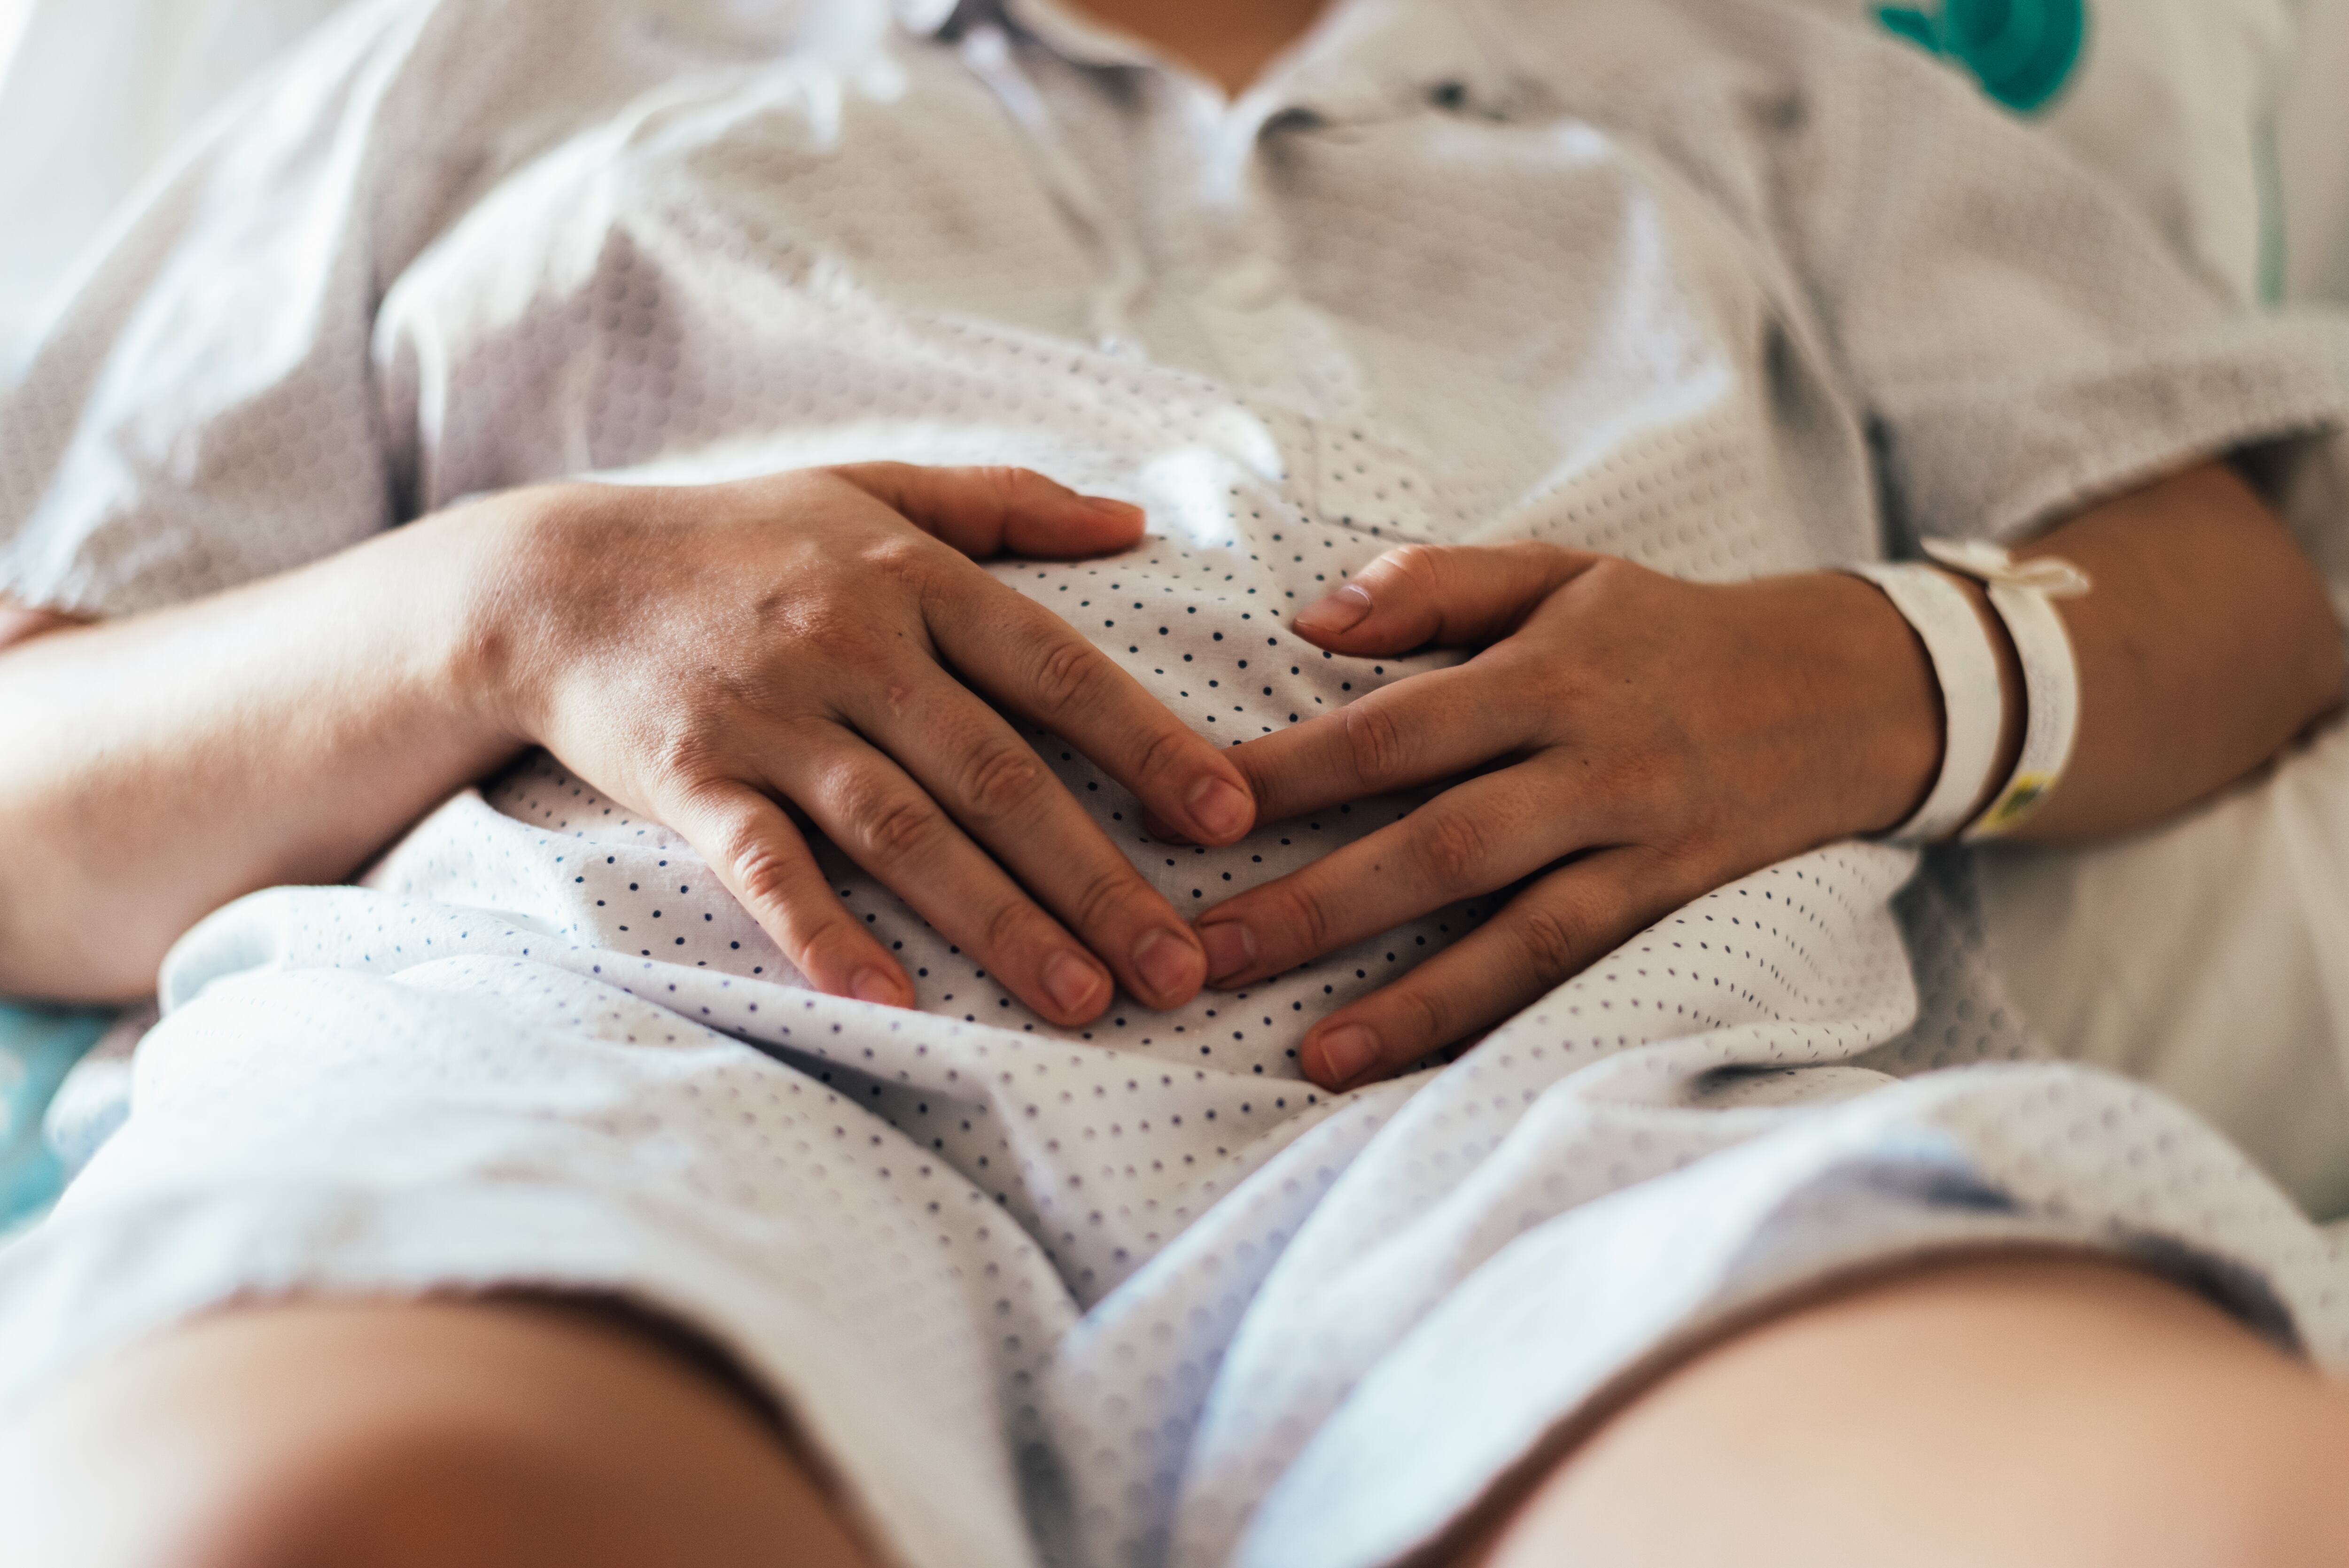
{"x": 1100, "y": 786}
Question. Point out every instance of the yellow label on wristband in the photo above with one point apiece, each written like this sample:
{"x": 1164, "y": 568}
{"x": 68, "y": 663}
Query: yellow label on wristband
{"x": 2016, "y": 801}
{"x": 2051, "y": 686}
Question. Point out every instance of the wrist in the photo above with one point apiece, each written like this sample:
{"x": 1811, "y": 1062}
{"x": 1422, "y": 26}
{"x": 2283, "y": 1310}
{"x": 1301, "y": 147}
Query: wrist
{"x": 1849, "y": 694}
{"x": 2012, "y": 704}
{"x": 1896, "y": 699}
{"x": 1859, "y": 702}
{"x": 499, "y": 558}
{"x": 1880, "y": 713}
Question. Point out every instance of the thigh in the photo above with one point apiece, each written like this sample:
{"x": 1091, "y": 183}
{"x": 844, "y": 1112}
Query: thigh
{"x": 470, "y": 1128}
{"x": 447, "y": 1434}
{"x": 2040, "y": 1409}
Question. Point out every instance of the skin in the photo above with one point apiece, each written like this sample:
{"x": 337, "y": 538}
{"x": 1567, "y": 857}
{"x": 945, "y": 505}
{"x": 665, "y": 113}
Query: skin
{"x": 1634, "y": 741}
{"x": 702, "y": 656}
{"x": 2047, "y": 1410}
{"x": 705, "y": 657}
{"x": 447, "y": 1434}
{"x": 2062, "y": 1412}
{"x": 1228, "y": 42}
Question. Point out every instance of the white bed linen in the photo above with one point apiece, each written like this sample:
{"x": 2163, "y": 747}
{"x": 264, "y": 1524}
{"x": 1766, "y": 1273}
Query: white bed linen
{"x": 2206, "y": 957}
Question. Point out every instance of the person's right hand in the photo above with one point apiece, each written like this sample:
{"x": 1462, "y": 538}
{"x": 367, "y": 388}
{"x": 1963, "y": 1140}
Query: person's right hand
{"x": 705, "y": 655}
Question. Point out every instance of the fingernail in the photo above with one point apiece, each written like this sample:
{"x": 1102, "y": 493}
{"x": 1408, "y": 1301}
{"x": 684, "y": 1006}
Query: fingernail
{"x": 1348, "y": 1052}
{"x": 1231, "y": 949}
{"x": 1220, "y": 808}
{"x": 1169, "y": 964}
{"x": 872, "y": 986}
{"x": 1341, "y": 611}
{"x": 1115, "y": 510}
{"x": 1072, "y": 982}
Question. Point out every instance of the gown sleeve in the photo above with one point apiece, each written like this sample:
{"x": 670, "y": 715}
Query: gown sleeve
{"x": 2019, "y": 338}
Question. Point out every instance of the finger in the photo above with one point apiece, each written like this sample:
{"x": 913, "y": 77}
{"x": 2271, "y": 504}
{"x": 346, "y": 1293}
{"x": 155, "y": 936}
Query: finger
{"x": 1548, "y": 933}
{"x": 992, "y": 782}
{"x": 1041, "y": 668}
{"x": 1450, "y": 595}
{"x": 886, "y": 823}
{"x": 750, "y": 843}
{"x": 1430, "y": 726}
{"x": 983, "y": 511}
{"x": 1467, "y": 841}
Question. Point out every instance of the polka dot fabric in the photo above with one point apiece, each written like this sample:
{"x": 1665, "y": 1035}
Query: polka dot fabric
{"x": 1704, "y": 284}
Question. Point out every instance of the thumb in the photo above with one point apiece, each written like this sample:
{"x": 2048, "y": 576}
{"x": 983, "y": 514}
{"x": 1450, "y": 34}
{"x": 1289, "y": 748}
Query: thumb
{"x": 1449, "y": 595}
{"x": 982, "y": 512}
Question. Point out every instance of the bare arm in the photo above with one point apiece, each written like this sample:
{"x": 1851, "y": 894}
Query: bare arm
{"x": 1662, "y": 738}
{"x": 701, "y": 656}
{"x": 153, "y": 769}
{"x": 2208, "y": 643}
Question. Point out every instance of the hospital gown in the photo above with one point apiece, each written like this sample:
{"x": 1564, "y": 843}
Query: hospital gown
{"x": 1712, "y": 284}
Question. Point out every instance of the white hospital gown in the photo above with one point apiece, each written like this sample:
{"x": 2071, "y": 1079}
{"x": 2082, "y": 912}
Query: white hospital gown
{"x": 1709, "y": 283}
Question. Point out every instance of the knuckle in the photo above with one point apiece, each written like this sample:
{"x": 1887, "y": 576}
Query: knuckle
{"x": 831, "y": 947}
{"x": 1004, "y": 484}
{"x": 1000, "y": 778}
{"x": 896, "y": 828}
{"x": 902, "y": 832}
{"x": 1068, "y": 676}
{"x": 1611, "y": 576}
{"x": 1417, "y": 1020}
{"x": 685, "y": 756}
{"x": 1013, "y": 927}
{"x": 1550, "y": 942}
{"x": 1105, "y": 899}
{"x": 1641, "y": 778}
{"x": 1455, "y": 849}
{"x": 1375, "y": 741}
{"x": 761, "y": 874}
{"x": 1302, "y": 914}
{"x": 1541, "y": 557}
{"x": 1162, "y": 753}
{"x": 907, "y": 559}
{"x": 1421, "y": 565}
{"x": 1566, "y": 684}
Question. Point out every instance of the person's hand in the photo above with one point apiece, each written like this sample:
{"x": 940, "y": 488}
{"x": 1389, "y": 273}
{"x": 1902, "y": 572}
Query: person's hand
{"x": 820, "y": 638}
{"x": 1634, "y": 741}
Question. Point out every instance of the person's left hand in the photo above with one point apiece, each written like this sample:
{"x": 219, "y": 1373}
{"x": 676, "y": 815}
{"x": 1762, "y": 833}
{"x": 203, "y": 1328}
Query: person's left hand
{"x": 1635, "y": 741}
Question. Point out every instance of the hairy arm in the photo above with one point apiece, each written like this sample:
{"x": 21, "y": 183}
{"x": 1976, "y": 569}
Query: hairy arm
{"x": 1651, "y": 739}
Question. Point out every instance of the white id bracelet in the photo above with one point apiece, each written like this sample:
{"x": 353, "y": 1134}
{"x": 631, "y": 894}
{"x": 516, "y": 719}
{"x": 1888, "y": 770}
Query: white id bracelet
{"x": 1973, "y": 711}
{"x": 2024, "y": 594}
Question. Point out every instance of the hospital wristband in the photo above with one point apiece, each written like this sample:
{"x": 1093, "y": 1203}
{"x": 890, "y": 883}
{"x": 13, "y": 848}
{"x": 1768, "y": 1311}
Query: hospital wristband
{"x": 1973, "y": 708}
{"x": 2024, "y": 594}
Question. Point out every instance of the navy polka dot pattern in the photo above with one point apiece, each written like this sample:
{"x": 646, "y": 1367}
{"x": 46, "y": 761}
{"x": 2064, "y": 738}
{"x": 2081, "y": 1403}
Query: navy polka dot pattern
{"x": 1703, "y": 283}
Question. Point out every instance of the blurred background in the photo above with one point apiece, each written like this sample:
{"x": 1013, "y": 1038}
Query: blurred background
{"x": 2219, "y": 105}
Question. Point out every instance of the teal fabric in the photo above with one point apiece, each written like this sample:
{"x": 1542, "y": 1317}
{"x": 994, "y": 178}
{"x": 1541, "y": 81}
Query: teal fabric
{"x": 2024, "y": 52}
{"x": 38, "y": 1047}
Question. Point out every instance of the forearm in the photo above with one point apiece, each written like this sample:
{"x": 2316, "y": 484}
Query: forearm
{"x": 2206, "y": 644}
{"x": 1630, "y": 741}
{"x": 155, "y": 768}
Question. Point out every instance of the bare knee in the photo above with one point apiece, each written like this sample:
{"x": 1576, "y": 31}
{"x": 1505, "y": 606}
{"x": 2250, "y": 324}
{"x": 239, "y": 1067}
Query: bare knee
{"x": 2054, "y": 1411}
{"x": 394, "y": 1437}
